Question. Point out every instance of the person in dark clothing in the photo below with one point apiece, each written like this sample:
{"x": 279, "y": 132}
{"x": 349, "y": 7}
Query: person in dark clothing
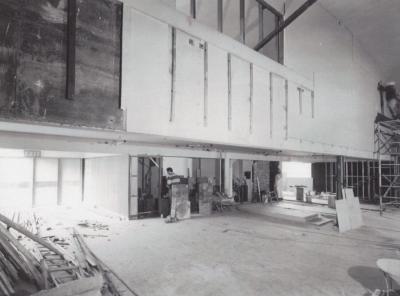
{"x": 392, "y": 100}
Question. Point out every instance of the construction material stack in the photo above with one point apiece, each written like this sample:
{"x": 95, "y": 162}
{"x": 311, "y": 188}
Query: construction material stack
{"x": 50, "y": 266}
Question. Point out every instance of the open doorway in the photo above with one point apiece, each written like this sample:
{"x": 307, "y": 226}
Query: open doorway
{"x": 149, "y": 186}
{"x": 297, "y": 181}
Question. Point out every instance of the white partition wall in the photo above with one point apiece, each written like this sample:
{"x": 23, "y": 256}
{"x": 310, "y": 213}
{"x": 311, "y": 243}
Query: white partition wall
{"x": 216, "y": 101}
{"x": 107, "y": 183}
{"x": 188, "y": 91}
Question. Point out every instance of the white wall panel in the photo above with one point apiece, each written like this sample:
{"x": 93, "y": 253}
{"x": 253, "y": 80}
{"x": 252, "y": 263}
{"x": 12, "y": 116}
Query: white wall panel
{"x": 278, "y": 108}
{"x": 189, "y": 83}
{"x": 107, "y": 183}
{"x": 217, "y": 118}
{"x": 240, "y": 97}
{"x": 146, "y": 75}
{"x": 71, "y": 177}
{"x": 261, "y": 103}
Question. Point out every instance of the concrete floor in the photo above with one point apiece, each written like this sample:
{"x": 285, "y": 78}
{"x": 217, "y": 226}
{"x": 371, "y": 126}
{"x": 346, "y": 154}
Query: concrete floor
{"x": 241, "y": 254}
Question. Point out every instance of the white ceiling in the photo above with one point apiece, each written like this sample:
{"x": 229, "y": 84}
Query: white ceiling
{"x": 376, "y": 25}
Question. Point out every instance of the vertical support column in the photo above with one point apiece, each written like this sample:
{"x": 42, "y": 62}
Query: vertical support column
{"x": 220, "y": 172}
{"x": 331, "y": 172}
{"x": 369, "y": 180}
{"x": 59, "y": 183}
{"x": 379, "y": 171}
{"x": 357, "y": 178}
{"x": 326, "y": 176}
{"x": 362, "y": 179}
{"x": 228, "y": 175}
{"x": 71, "y": 49}
{"x": 220, "y": 16}
{"x": 339, "y": 176}
{"x": 173, "y": 76}
{"x": 242, "y": 22}
{"x": 83, "y": 179}
{"x": 34, "y": 162}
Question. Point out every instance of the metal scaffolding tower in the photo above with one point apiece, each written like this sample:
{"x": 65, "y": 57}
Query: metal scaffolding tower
{"x": 387, "y": 149}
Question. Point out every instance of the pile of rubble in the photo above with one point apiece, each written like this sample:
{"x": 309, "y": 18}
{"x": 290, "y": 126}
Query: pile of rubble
{"x": 35, "y": 265}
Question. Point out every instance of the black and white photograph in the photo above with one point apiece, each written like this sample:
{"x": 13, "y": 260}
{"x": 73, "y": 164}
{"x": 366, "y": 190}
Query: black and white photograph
{"x": 199, "y": 147}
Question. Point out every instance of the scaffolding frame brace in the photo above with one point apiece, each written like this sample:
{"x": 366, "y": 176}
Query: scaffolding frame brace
{"x": 387, "y": 151}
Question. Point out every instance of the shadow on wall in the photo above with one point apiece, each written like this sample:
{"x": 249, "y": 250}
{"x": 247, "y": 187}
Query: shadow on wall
{"x": 371, "y": 278}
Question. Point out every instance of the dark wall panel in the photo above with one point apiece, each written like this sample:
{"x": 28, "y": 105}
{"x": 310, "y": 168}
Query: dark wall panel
{"x": 8, "y": 56}
{"x": 33, "y": 58}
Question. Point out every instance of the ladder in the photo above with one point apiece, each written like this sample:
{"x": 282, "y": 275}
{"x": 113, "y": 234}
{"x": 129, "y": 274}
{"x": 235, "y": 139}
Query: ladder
{"x": 56, "y": 269}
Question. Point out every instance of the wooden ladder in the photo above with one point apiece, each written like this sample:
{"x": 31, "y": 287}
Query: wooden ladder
{"x": 56, "y": 268}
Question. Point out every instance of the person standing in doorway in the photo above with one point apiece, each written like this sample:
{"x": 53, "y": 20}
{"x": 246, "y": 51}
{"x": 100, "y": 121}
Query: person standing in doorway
{"x": 172, "y": 179}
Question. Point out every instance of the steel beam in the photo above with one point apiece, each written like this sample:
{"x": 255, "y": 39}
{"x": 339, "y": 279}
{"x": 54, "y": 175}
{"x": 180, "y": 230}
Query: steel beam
{"x": 269, "y": 7}
{"x": 242, "y": 22}
{"x": 193, "y": 8}
{"x": 286, "y": 23}
{"x": 260, "y": 22}
{"x": 220, "y": 15}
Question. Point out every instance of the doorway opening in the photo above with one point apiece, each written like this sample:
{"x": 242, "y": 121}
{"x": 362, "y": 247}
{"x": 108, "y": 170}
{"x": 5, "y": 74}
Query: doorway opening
{"x": 149, "y": 186}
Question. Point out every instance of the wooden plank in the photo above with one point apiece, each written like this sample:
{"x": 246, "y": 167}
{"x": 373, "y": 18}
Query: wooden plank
{"x": 11, "y": 270}
{"x": 28, "y": 234}
{"x": 4, "y": 289}
{"x": 6, "y": 282}
{"x": 18, "y": 246}
{"x": 22, "y": 265}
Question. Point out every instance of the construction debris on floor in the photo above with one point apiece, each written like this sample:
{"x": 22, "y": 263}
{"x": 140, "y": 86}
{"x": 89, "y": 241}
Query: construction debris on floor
{"x": 50, "y": 265}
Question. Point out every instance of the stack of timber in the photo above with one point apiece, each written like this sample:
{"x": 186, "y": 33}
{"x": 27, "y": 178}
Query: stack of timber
{"x": 45, "y": 266}
{"x": 17, "y": 265}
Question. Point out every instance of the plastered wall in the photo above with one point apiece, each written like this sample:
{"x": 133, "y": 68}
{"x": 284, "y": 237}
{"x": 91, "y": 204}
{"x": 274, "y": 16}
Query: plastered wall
{"x": 225, "y": 93}
{"x": 106, "y": 183}
{"x": 319, "y": 47}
